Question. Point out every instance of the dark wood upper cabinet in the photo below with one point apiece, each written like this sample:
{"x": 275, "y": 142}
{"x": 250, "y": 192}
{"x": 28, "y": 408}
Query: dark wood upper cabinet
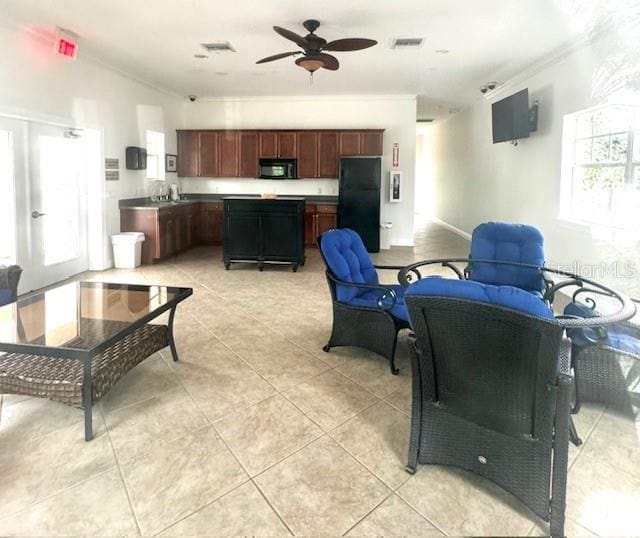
{"x": 249, "y": 154}
{"x": 372, "y": 143}
{"x": 287, "y": 142}
{"x": 350, "y": 143}
{"x": 307, "y": 153}
{"x": 268, "y": 144}
{"x": 189, "y": 153}
{"x": 235, "y": 153}
{"x": 229, "y": 153}
{"x": 328, "y": 154}
{"x": 209, "y": 161}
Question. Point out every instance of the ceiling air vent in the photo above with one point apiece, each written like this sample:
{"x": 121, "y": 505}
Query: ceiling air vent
{"x": 407, "y": 43}
{"x": 218, "y": 47}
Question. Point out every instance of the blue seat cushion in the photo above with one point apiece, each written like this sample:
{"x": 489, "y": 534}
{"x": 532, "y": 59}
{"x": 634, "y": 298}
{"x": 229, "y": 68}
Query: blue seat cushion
{"x": 621, "y": 337}
{"x": 370, "y": 299}
{"x": 503, "y": 241}
{"x": 348, "y": 260}
{"x": 504, "y": 296}
{"x": 5, "y": 296}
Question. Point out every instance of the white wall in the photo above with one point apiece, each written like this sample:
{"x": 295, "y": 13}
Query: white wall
{"x": 39, "y": 84}
{"x": 476, "y": 181}
{"x": 395, "y": 114}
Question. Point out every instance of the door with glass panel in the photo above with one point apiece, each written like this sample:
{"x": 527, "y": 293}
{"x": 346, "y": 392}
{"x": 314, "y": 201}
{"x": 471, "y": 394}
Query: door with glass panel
{"x": 57, "y": 213}
{"x": 43, "y": 199}
{"x": 13, "y": 140}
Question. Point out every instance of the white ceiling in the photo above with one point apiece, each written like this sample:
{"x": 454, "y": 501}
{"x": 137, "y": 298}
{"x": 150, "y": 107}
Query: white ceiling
{"x": 155, "y": 41}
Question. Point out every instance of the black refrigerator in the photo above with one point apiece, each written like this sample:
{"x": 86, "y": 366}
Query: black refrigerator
{"x": 359, "y": 198}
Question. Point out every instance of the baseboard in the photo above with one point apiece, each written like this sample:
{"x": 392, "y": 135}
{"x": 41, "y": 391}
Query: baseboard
{"x": 451, "y": 227}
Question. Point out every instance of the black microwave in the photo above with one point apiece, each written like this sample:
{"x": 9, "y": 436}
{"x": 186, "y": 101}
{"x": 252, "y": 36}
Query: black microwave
{"x": 278, "y": 169}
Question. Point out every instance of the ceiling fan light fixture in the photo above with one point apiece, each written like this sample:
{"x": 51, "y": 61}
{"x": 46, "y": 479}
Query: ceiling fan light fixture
{"x": 315, "y": 48}
{"x": 310, "y": 64}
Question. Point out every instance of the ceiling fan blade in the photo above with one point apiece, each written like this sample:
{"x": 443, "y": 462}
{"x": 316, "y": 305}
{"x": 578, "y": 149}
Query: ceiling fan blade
{"x": 348, "y": 44}
{"x": 278, "y": 56}
{"x": 330, "y": 62}
{"x": 288, "y": 34}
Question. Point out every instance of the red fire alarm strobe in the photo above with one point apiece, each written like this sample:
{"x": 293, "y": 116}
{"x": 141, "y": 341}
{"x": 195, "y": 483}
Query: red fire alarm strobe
{"x": 66, "y": 47}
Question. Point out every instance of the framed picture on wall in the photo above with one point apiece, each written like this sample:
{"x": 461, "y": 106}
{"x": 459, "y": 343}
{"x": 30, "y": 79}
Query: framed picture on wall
{"x": 395, "y": 186}
{"x": 171, "y": 163}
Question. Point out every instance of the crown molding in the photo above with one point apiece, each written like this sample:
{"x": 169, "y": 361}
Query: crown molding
{"x": 544, "y": 62}
{"x": 314, "y": 98}
{"x": 92, "y": 58}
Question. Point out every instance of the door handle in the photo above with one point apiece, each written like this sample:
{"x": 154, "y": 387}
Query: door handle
{"x": 37, "y": 215}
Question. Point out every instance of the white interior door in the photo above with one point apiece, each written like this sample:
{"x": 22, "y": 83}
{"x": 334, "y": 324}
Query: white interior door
{"x": 11, "y": 164}
{"x": 43, "y": 202}
{"x": 57, "y": 213}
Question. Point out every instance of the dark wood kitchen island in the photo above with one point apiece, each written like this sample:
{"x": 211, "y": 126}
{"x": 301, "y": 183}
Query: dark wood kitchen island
{"x": 263, "y": 231}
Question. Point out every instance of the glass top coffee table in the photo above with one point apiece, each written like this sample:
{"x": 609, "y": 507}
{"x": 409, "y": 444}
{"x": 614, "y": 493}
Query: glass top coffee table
{"x": 73, "y": 342}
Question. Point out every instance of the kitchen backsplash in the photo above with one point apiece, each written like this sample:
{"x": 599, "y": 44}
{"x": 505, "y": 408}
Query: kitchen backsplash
{"x": 327, "y": 187}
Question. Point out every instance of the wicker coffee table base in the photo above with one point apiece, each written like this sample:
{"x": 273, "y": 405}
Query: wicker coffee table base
{"x": 66, "y": 380}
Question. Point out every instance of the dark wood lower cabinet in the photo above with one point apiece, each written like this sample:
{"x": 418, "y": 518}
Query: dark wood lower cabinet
{"x": 263, "y": 231}
{"x": 175, "y": 228}
{"x": 318, "y": 219}
{"x": 210, "y": 223}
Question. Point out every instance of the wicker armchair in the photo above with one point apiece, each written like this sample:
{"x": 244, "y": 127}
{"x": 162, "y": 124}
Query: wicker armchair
{"x": 9, "y": 279}
{"x": 606, "y": 361}
{"x": 365, "y": 313}
{"x": 491, "y": 389}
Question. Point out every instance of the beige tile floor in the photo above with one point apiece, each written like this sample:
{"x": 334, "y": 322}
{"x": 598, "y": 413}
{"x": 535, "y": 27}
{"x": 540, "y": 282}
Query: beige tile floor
{"x": 256, "y": 431}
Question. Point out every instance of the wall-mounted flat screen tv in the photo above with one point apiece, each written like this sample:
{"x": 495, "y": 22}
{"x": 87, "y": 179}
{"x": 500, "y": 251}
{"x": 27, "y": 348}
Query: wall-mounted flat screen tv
{"x": 510, "y": 117}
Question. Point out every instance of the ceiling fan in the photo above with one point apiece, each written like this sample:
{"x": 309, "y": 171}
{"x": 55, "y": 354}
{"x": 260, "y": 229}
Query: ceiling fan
{"x": 313, "y": 48}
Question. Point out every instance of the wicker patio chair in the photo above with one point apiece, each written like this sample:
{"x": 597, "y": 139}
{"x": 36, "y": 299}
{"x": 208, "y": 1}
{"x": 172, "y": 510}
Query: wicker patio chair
{"x": 606, "y": 361}
{"x": 9, "y": 278}
{"x": 365, "y": 313}
{"x": 508, "y": 242}
{"x": 491, "y": 389}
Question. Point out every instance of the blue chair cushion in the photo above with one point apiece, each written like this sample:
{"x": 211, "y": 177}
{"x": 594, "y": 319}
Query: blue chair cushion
{"x": 504, "y": 241}
{"x": 348, "y": 259}
{"x": 621, "y": 337}
{"x": 370, "y": 299}
{"x": 505, "y": 296}
{"x": 5, "y": 296}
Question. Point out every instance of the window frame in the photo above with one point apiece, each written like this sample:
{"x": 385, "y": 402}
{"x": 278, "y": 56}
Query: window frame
{"x": 155, "y": 155}
{"x": 571, "y": 163}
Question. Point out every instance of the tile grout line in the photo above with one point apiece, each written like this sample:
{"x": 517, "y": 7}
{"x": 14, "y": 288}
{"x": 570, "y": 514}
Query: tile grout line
{"x": 586, "y": 439}
{"x": 415, "y": 509}
{"x": 354, "y": 456}
{"x": 52, "y": 495}
{"x": 120, "y": 472}
{"x": 224, "y": 442}
{"x": 435, "y": 526}
{"x": 367, "y": 514}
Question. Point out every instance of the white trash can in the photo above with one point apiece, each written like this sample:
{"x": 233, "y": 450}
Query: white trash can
{"x": 385, "y": 235}
{"x": 127, "y": 249}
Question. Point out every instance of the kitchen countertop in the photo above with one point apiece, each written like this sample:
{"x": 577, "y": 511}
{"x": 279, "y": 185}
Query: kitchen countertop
{"x": 146, "y": 203}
